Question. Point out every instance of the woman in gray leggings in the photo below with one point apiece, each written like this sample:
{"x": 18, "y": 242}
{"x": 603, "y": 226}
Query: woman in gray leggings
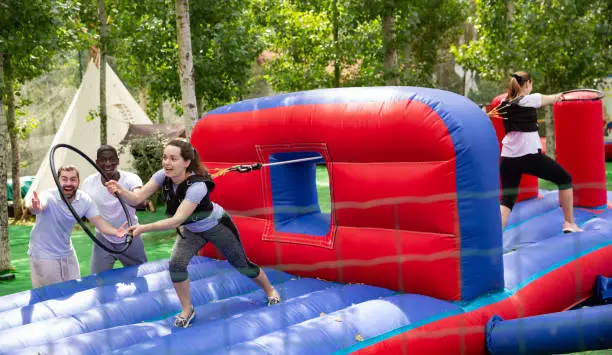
{"x": 187, "y": 186}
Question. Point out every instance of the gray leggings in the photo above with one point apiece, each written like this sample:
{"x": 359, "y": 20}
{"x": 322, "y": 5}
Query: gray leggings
{"x": 224, "y": 237}
{"x": 101, "y": 260}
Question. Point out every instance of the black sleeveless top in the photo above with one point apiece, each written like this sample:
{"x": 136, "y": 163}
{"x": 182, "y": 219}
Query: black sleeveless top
{"x": 518, "y": 118}
{"x": 174, "y": 198}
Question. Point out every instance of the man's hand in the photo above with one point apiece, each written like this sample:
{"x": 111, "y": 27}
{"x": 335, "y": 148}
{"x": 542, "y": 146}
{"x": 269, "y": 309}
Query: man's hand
{"x": 121, "y": 231}
{"x": 37, "y": 207}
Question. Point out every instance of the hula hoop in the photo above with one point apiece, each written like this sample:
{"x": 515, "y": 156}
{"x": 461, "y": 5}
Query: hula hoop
{"x": 128, "y": 237}
{"x": 600, "y": 95}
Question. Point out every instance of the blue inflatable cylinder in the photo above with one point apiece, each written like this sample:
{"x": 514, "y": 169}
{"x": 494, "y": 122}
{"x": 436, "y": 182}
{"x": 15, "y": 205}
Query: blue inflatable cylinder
{"x": 603, "y": 289}
{"x": 555, "y": 333}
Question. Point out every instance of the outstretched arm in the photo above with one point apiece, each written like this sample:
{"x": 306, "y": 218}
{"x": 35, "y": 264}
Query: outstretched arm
{"x": 136, "y": 197}
{"x": 35, "y": 205}
{"x": 550, "y": 99}
{"x": 105, "y": 227}
{"x": 183, "y": 212}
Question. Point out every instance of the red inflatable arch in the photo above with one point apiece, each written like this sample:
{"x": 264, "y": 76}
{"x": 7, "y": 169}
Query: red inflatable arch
{"x": 413, "y": 183}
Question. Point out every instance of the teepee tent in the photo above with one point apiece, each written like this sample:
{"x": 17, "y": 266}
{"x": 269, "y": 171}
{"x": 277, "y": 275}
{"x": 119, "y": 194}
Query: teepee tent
{"x": 78, "y": 131}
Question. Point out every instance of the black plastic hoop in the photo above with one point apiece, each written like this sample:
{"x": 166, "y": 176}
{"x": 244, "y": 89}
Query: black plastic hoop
{"x": 128, "y": 237}
{"x": 600, "y": 95}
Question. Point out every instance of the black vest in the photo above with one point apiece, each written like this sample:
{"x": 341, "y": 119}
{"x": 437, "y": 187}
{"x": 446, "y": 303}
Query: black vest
{"x": 174, "y": 199}
{"x": 518, "y": 118}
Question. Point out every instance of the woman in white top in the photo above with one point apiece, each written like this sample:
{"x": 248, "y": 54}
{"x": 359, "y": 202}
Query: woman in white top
{"x": 522, "y": 150}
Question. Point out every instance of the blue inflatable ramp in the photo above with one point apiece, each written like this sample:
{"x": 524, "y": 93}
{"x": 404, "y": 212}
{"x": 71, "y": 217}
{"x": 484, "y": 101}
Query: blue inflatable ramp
{"x": 132, "y": 310}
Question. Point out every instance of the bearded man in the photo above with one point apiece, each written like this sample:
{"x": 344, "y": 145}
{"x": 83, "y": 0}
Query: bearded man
{"x": 52, "y": 256}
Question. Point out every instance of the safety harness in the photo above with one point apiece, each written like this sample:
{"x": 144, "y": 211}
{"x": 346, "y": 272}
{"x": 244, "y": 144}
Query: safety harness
{"x": 518, "y": 118}
{"x": 174, "y": 198}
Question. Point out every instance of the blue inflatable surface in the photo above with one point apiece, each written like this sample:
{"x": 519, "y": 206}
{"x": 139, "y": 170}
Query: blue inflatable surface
{"x": 131, "y": 310}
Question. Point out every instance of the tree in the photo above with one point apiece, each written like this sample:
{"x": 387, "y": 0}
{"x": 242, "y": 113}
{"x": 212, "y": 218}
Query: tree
{"x": 103, "y": 52}
{"x": 301, "y": 43}
{"x": 315, "y": 44}
{"x": 144, "y": 37}
{"x": 5, "y": 252}
{"x": 13, "y": 138}
{"x": 226, "y": 43}
{"x": 390, "y": 43}
{"x": 563, "y": 44}
{"x": 369, "y": 42}
{"x": 188, "y": 94}
{"x": 28, "y": 38}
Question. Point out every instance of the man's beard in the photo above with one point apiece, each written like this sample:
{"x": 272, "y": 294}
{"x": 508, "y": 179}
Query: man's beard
{"x": 113, "y": 176}
{"x": 69, "y": 195}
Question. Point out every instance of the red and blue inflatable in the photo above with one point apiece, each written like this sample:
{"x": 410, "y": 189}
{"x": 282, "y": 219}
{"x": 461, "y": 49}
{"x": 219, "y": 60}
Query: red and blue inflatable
{"x": 412, "y": 176}
{"x": 411, "y": 258}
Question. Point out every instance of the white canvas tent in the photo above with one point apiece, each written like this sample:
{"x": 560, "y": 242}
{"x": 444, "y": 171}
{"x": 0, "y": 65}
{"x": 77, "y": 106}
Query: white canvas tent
{"x": 122, "y": 110}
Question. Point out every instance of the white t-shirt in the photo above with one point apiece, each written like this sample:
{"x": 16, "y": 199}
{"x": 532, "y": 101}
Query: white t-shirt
{"x": 50, "y": 237}
{"x": 516, "y": 144}
{"x": 108, "y": 205}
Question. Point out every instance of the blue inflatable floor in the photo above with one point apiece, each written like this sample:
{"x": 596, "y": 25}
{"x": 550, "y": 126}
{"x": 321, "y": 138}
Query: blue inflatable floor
{"x": 131, "y": 310}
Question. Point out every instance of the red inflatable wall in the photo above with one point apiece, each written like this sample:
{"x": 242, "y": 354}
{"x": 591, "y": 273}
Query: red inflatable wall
{"x": 403, "y": 170}
{"x": 580, "y": 146}
{"x": 364, "y": 237}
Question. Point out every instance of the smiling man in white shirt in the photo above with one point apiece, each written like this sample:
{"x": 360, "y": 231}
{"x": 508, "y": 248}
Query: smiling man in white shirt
{"x": 110, "y": 208}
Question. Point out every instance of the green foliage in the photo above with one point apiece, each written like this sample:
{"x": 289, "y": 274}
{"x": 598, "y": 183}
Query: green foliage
{"x": 300, "y": 36}
{"x": 487, "y": 91}
{"x": 144, "y": 49}
{"x": 147, "y": 153}
{"x": 300, "y": 45}
{"x": 225, "y": 43}
{"x": 80, "y": 28}
{"x": 438, "y": 25}
{"x": 92, "y": 114}
{"x": 565, "y": 44}
{"x": 30, "y": 33}
{"x": 25, "y": 124}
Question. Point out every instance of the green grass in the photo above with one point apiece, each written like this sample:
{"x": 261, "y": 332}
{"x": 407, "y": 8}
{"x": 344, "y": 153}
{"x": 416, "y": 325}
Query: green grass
{"x": 158, "y": 245}
{"x": 323, "y": 189}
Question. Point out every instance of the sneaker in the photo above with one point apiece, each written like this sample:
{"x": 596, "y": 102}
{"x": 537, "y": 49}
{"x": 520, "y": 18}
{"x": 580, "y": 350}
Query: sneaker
{"x": 181, "y": 322}
{"x": 571, "y": 228}
{"x": 272, "y": 300}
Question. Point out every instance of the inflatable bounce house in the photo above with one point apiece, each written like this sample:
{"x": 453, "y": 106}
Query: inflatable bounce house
{"x": 411, "y": 258}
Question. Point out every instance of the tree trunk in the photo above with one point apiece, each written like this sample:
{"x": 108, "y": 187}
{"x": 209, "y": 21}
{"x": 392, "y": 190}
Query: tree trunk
{"x": 103, "y": 49}
{"x": 5, "y": 254}
{"x": 469, "y": 77}
{"x": 549, "y": 124}
{"x": 390, "y": 45}
{"x": 160, "y": 112}
{"x": 10, "y": 104}
{"x": 337, "y": 54}
{"x": 188, "y": 94}
{"x": 143, "y": 98}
